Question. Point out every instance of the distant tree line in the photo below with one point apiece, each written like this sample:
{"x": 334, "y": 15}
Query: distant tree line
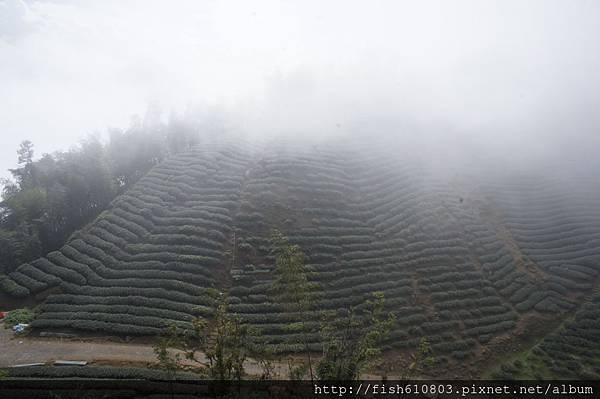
{"x": 48, "y": 199}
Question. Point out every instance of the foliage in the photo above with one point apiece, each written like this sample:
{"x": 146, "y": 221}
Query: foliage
{"x": 146, "y": 262}
{"x": 420, "y": 360}
{"x": 571, "y": 351}
{"x": 134, "y": 152}
{"x": 292, "y": 288}
{"x": 352, "y": 341}
{"x": 50, "y": 198}
{"x": 18, "y": 316}
{"x": 90, "y": 371}
{"x": 170, "y": 361}
{"x": 225, "y": 342}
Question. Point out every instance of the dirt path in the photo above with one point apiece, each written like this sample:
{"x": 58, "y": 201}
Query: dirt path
{"x": 16, "y": 350}
{"x": 19, "y": 350}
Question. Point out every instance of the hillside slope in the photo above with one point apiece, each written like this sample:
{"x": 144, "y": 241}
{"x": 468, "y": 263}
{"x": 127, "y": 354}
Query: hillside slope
{"x": 465, "y": 258}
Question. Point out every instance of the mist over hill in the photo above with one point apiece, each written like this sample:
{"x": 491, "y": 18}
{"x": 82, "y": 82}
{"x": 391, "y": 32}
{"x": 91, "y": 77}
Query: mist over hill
{"x": 469, "y": 255}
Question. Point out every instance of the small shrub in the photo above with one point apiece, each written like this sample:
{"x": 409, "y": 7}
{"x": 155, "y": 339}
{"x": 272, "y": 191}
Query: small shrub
{"x": 18, "y": 316}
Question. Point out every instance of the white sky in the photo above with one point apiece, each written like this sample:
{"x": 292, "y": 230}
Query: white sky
{"x": 521, "y": 73}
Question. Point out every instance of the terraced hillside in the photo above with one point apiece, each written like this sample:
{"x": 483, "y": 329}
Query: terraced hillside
{"x": 466, "y": 259}
{"x": 572, "y": 351}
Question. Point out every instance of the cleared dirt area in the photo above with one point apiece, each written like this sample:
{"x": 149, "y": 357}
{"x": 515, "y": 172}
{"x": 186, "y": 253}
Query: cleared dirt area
{"x": 16, "y": 350}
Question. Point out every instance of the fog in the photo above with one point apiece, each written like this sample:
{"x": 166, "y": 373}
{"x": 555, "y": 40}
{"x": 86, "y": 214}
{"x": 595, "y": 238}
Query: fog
{"x": 511, "y": 80}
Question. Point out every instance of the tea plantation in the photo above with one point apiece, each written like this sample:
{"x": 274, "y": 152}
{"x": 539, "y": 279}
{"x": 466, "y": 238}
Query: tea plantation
{"x": 462, "y": 256}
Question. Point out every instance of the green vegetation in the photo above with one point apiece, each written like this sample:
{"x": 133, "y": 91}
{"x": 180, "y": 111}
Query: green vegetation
{"x": 168, "y": 359}
{"x": 349, "y": 342}
{"x": 50, "y": 198}
{"x": 352, "y": 341}
{"x": 96, "y": 372}
{"x": 226, "y": 343}
{"x": 420, "y": 360}
{"x": 292, "y": 288}
{"x": 463, "y": 274}
{"x": 570, "y": 352}
{"x": 221, "y": 346}
{"x": 18, "y": 316}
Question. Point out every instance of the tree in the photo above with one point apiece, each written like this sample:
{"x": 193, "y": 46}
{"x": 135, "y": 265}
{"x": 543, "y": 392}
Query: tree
{"x": 24, "y": 174}
{"x": 421, "y": 359}
{"x": 352, "y": 341}
{"x": 25, "y": 153}
{"x": 48, "y": 199}
{"x": 170, "y": 361}
{"x": 292, "y": 288}
{"x": 225, "y": 343}
{"x": 134, "y": 152}
{"x": 22, "y": 211}
{"x": 221, "y": 345}
{"x": 51, "y": 198}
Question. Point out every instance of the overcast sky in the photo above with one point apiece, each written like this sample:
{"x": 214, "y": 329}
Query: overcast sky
{"x": 497, "y": 73}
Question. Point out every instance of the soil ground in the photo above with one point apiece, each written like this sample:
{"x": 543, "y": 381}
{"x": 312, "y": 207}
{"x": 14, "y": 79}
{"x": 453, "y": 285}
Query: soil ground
{"x": 15, "y": 350}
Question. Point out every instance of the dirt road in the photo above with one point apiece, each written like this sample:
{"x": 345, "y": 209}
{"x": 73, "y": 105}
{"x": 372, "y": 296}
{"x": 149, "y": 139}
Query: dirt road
{"x": 17, "y": 350}
{"x": 22, "y": 350}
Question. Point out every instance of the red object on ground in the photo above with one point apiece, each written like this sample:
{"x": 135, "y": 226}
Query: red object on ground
{"x": 2, "y": 315}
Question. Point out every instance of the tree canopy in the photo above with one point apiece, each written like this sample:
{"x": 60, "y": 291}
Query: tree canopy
{"x": 50, "y": 198}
